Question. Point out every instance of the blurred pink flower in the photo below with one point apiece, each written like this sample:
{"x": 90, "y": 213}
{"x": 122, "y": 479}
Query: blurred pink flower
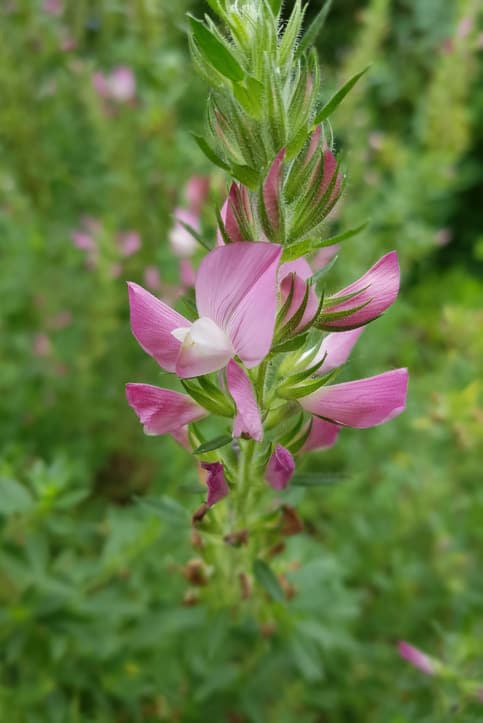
{"x": 325, "y": 256}
{"x": 53, "y": 7}
{"x": 187, "y": 273}
{"x": 83, "y": 241}
{"x": 465, "y": 27}
{"x": 197, "y": 191}
{"x": 119, "y": 85}
{"x": 60, "y": 320}
{"x": 152, "y": 278}
{"x": 443, "y": 237}
{"x": 115, "y": 270}
{"x": 129, "y": 243}
{"x": 416, "y": 657}
{"x": 41, "y": 345}
{"x": 182, "y": 242}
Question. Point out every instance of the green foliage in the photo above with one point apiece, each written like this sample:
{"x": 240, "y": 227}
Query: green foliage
{"x": 101, "y": 616}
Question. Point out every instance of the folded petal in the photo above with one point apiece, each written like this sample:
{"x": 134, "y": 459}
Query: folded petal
{"x": 362, "y": 403}
{"x": 162, "y": 411}
{"x": 247, "y": 419}
{"x": 299, "y": 290}
{"x": 335, "y": 349}
{"x": 280, "y": 468}
{"x": 236, "y": 288}
{"x": 232, "y": 204}
{"x": 322, "y": 435}
{"x": 152, "y": 322}
{"x": 300, "y": 266}
{"x": 217, "y": 484}
{"x": 205, "y": 348}
{"x": 377, "y": 290}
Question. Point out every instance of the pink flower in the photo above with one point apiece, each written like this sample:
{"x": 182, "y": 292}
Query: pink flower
{"x": 53, "y": 7}
{"x": 84, "y": 241}
{"x": 373, "y": 293}
{"x": 197, "y": 191}
{"x": 280, "y": 468}
{"x": 119, "y": 86}
{"x": 335, "y": 349}
{"x": 416, "y": 657}
{"x": 42, "y": 345}
{"x": 129, "y": 243}
{"x": 162, "y": 411}
{"x": 152, "y": 278}
{"x": 122, "y": 84}
{"x": 247, "y": 419}
{"x": 362, "y": 403}
{"x": 271, "y": 192}
{"x": 325, "y": 256}
{"x": 236, "y": 298}
{"x": 182, "y": 242}
{"x": 217, "y": 484}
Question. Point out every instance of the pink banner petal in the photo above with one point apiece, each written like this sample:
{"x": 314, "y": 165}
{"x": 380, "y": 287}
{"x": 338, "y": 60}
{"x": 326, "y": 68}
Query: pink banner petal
{"x": 152, "y": 322}
{"x": 377, "y": 289}
{"x": 322, "y": 435}
{"x": 362, "y": 403}
{"x": 236, "y": 287}
{"x": 162, "y": 411}
{"x": 247, "y": 419}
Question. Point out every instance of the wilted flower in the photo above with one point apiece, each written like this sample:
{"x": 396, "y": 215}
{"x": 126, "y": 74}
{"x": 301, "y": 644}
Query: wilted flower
{"x": 280, "y": 468}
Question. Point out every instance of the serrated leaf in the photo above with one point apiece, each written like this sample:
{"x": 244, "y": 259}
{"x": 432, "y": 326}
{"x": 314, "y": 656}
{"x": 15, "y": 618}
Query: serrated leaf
{"x": 210, "y": 153}
{"x": 213, "y": 444}
{"x": 314, "y": 29}
{"x": 215, "y": 51}
{"x": 267, "y": 579}
{"x": 337, "y": 98}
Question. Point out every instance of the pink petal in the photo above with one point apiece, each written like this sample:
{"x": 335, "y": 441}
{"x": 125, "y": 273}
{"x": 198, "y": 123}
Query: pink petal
{"x": 247, "y": 419}
{"x": 217, "y": 484}
{"x": 182, "y": 242}
{"x": 206, "y": 348}
{"x": 162, "y": 411}
{"x": 325, "y": 256}
{"x": 271, "y": 190}
{"x": 378, "y": 289}
{"x": 300, "y": 266}
{"x": 83, "y": 241}
{"x": 322, "y": 435}
{"x": 299, "y": 289}
{"x": 100, "y": 84}
{"x": 330, "y": 166}
{"x": 152, "y": 322}
{"x": 152, "y": 278}
{"x": 280, "y": 468}
{"x": 362, "y": 403}
{"x": 416, "y": 657}
{"x": 336, "y": 349}
{"x": 228, "y": 216}
{"x": 236, "y": 287}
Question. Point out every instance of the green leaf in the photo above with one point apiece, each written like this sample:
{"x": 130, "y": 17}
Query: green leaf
{"x": 215, "y": 51}
{"x": 165, "y": 507}
{"x": 314, "y": 29}
{"x": 214, "y": 402}
{"x": 217, "y": 7}
{"x": 304, "y": 390}
{"x": 337, "y": 98}
{"x": 246, "y": 175}
{"x": 267, "y": 579}
{"x": 213, "y": 444}
{"x": 14, "y": 497}
{"x": 210, "y": 153}
{"x": 292, "y": 29}
{"x": 276, "y": 6}
{"x": 340, "y": 237}
{"x": 291, "y": 344}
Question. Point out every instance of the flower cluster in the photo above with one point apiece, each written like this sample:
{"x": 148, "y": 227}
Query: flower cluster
{"x": 260, "y": 353}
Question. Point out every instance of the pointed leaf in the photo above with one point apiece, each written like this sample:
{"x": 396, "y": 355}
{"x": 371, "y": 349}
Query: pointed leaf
{"x": 209, "y": 153}
{"x": 213, "y": 444}
{"x": 337, "y": 98}
{"x": 267, "y": 579}
{"x": 314, "y": 29}
{"x": 215, "y": 51}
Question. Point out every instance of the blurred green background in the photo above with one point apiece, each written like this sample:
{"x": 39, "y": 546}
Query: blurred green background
{"x": 94, "y": 621}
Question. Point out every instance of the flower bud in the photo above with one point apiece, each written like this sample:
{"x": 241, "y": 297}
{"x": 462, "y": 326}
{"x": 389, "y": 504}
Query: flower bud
{"x": 280, "y": 468}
